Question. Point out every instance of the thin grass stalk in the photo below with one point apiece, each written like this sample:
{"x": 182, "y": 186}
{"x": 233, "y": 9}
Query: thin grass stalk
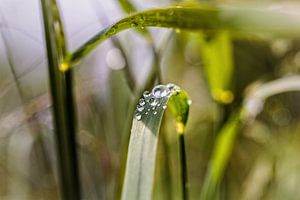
{"x": 39, "y": 146}
{"x": 12, "y": 68}
{"x": 183, "y": 168}
{"x": 60, "y": 78}
{"x": 128, "y": 73}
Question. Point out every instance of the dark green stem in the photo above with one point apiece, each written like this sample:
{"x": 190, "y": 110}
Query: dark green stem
{"x": 63, "y": 102}
{"x": 183, "y": 169}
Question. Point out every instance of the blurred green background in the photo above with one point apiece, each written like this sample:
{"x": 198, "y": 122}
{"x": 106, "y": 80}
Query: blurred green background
{"x": 264, "y": 163}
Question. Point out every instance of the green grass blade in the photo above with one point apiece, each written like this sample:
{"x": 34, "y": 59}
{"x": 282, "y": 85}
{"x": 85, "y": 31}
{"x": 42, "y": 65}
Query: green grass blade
{"x": 220, "y": 157}
{"x": 254, "y": 101}
{"x": 127, "y": 6}
{"x": 139, "y": 176}
{"x": 60, "y": 77}
{"x": 253, "y": 105}
{"x": 236, "y": 19}
{"x": 217, "y": 55}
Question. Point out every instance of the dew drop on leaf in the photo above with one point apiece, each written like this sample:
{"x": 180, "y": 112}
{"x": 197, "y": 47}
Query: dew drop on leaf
{"x": 140, "y": 107}
{"x": 138, "y": 116}
{"x": 160, "y": 91}
{"x": 142, "y": 102}
{"x": 153, "y": 101}
{"x": 146, "y": 95}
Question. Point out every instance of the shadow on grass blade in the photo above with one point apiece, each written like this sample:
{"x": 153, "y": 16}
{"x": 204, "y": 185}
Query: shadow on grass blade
{"x": 139, "y": 176}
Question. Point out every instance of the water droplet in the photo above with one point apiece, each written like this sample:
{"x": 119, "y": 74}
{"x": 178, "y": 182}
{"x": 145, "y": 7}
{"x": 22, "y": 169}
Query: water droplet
{"x": 112, "y": 31}
{"x": 134, "y": 24}
{"x": 146, "y": 95}
{"x": 142, "y": 102}
{"x": 153, "y": 101}
{"x": 160, "y": 91}
{"x": 172, "y": 87}
{"x": 164, "y": 107}
{"x": 146, "y": 113}
{"x": 189, "y": 102}
{"x": 153, "y": 108}
{"x": 158, "y": 104}
{"x": 138, "y": 116}
{"x": 155, "y": 113}
{"x": 140, "y": 107}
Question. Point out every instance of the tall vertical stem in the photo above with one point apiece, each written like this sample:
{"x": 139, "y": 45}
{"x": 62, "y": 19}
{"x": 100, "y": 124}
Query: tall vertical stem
{"x": 183, "y": 168}
{"x": 60, "y": 77}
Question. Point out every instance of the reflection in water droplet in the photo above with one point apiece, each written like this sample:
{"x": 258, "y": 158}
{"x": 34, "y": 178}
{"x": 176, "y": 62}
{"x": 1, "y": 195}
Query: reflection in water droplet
{"x": 172, "y": 87}
{"x": 153, "y": 101}
{"x": 140, "y": 107}
{"x": 160, "y": 91}
{"x": 142, "y": 102}
{"x": 146, "y": 95}
{"x": 138, "y": 116}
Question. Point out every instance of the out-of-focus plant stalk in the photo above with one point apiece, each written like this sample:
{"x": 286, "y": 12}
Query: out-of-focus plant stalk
{"x": 60, "y": 77}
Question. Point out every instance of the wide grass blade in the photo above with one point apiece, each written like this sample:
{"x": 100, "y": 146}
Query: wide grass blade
{"x": 199, "y": 17}
{"x": 60, "y": 77}
{"x": 139, "y": 176}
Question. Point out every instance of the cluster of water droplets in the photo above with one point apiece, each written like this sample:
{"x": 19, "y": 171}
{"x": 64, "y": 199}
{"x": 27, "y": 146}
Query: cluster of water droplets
{"x": 154, "y": 99}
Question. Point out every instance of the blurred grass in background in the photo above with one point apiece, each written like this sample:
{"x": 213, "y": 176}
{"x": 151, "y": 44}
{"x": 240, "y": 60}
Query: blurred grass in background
{"x": 264, "y": 163}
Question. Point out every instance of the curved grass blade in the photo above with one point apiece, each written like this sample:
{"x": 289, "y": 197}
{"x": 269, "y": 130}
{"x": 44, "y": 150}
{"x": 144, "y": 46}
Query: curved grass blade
{"x": 200, "y": 17}
{"x": 139, "y": 176}
{"x": 252, "y": 106}
{"x": 254, "y": 102}
{"x": 222, "y": 151}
